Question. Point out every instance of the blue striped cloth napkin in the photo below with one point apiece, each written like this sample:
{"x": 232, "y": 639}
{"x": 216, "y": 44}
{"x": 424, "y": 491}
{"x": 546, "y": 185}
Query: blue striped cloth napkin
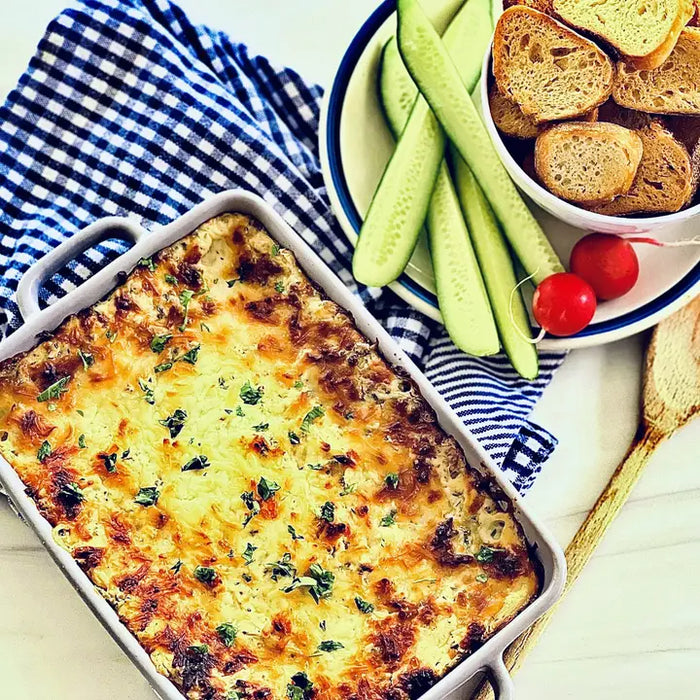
{"x": 129, "y": 109}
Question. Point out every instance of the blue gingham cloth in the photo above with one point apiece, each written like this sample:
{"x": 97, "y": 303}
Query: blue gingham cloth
{"x": 129, "y": 109}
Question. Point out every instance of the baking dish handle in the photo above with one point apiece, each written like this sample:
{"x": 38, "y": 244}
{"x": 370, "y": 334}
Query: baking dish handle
{"x": 54, "y": 260}
{"x": 501, "y": 682}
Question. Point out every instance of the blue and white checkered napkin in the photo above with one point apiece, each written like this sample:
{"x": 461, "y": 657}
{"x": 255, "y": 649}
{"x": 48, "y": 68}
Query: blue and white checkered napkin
{"x": 129, "y": 109}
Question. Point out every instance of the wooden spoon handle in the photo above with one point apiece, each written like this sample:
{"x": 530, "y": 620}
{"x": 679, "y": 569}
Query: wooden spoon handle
{"x": 585, "y": 542}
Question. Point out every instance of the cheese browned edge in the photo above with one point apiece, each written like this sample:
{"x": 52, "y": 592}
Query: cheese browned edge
{"x": 272, "y": 510}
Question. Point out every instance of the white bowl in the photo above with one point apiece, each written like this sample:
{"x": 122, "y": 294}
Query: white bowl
{"x": 356, "y": 144}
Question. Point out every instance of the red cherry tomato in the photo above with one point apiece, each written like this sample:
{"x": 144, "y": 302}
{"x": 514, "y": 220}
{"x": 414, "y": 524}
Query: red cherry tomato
{"x": 607, "y": 262}
{"x": 563, "y": 304}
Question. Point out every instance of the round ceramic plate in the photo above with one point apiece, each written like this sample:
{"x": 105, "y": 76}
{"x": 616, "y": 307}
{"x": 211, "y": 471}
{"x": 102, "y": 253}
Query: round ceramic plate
{"x": 356, "y": 144}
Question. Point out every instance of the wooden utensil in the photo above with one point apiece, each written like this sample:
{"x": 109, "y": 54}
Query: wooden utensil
{"x": 670, "y": 399}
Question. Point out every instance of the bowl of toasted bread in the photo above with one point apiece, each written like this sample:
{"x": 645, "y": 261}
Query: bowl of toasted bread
{"x": 595, "y": 109}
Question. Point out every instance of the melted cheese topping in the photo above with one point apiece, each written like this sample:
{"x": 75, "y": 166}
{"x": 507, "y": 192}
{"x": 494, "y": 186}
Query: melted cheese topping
{"x": 270, "y": 508}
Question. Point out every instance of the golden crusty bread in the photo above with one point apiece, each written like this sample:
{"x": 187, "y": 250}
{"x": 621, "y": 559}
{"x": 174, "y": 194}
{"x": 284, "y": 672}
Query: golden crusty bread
{"x": 673, "y": 88}
{"x": 540, "y": 5}
{"x": 587, "y": 163}
{"x": 644, "y": 32}
{"x": 664, "y": 181}
{"x": 509, "y": 118}
{"x": 551, "y": 72}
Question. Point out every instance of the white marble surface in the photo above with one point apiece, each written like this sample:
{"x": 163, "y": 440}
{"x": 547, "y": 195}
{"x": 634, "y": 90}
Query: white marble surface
{"x": 630, "y": 630}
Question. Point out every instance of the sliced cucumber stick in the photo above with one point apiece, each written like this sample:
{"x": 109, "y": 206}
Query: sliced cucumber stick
{"x": 397, "y": 91}
{"x": 429, "y": 64}
{"x": 462, "y": 296}
{"x": 497, "y": 269}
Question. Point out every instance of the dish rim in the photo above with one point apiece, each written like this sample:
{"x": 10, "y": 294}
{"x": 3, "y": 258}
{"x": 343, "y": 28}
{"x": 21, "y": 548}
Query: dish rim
{"x": 621, "y": 326}
{"x": 543, "y": 544}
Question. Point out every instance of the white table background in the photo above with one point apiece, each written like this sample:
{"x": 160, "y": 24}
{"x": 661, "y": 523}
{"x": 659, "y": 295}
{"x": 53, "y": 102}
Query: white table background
{"x": 630, "y": 630}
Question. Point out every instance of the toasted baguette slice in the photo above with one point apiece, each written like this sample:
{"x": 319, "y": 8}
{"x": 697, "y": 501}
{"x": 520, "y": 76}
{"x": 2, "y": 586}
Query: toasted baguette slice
{"x": 664, "y": 182}
{"x": 673, "y": 88}
{"x": 644, "y": 32}
{"x": 588, "y": 163}
{"x": 539, "y": 5}
{"x": 551, "y": 72}
{"x": 509, "y": 118}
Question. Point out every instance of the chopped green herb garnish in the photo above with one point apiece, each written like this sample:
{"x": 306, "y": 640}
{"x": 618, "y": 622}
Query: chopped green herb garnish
{"x": 87, "y": 358}
{"x": 55, "y": 390}
{"x": 148, "y": 391}
{"x": 279, "y": 287}
{"x": 159, "y": 342}
{"x": 227, "y": 633}
{"x": 110, "y": 461}
{"x": 44, "y": 451}
{"x": 260, "y": 427}
{"x": 348, "y": 488}
{"x": 275, "y": 251}
{"x": 363, "y": 606}
{"x": 205, "y": 574}
{"x": 171, "y": 279}
{"x": 147, "y": 496}
{"x": 482, "y": 578}
{"x": 203, "y": 326}
{"x": 199, "y": 649}
{"x": 234, "y": 695}
{"x": 390, "y": 519}
{"x": 147, "y": 262}
{"x": 185, "y": 299}
{"x": 192, "y": 354}
{"x": 80, "y": 412}
{"x": 293, "y": 533}
{"x": 485, "y": 554}
{"x": 310, "y": 417}
{"x": 250, "y": 394}
{"x": 248, "y": 497}
{"x": 176, "y": 566}
{"x": 175, "y": 423}
{"x": 230, "y": 283}
{"x": 317, "y": 580}
{"x": 301, "y": 688}
{"x": 111, "y": 335}
{"x": 239, "y": 412}
{"x": 81, "y": 441}
{"x": 71, "y": 494}
{"x": 316, "y": 467}
{"x": 196, "y": 463}
{"x": 282, "y": 568}
{"x": 248, "y": 553}
{"x": 392, "y": 480}
{"x": 164, "y": 367}
{"x": 298, "y": 384}
{"x": 330, "y": 645}
{"x": 293, "y": 437}
{"x": 267, "y": 489}
{"x": 327, "y": 512}
{"x": 126, "y": 453}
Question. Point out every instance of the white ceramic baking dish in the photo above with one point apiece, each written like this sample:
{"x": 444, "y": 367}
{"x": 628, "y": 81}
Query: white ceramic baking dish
{"x": 550, "y": 555}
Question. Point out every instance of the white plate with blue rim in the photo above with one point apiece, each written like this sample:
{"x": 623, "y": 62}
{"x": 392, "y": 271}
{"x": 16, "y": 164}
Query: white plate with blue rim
{"x": 355, "y": 145}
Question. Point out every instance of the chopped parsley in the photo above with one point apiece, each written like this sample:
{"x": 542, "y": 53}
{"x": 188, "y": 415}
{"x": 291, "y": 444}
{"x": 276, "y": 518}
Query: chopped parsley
{"x": 171, "y": 279}
{"x": 196, "y": 463}
{"x": 348, "y": 488}
{"x": 485, "y": 554}
{"x": 330, "y": 645}
{"x": 293, "y": 533}
{"x": 81, "y": 441}
{"x": 55, "y": 390}
{"x": 159, "y": 342}
{"x": 310, "y": 417}
{"x": 293, "y": 438}
{"x": 260, "y": 427}
{"x": 192, "y": 354}
{"x": 204, "y": 327}
{"x": 248, "y": 497}
{"x": 363, "y": 606}
{"x": 71, "y": 494}
{"x": 205, "y": 574}
{"x": 164, "y": 367}
{"x": 482, "y": 578}
{"x": 282, "y": 568}
{"x": 279, "y": 287}
{"x": 315, "y": 467}
{"x": 230, "y": 283}
{"x": 176, "y": 566}
{"x": 198, "y": 649}
{"x": 389, "y": 519}
{"x": 87, "y": 358}
{"x": 327, "y": 512}
{"x": 147, "y": 496}
{"x": 317, "y": 581}
{"x": 239, "y": 412}
{"x": 148, "y": 263}
{"x": 185, "y": 299}
{"x": 275, "y": 251}
{"x": 111, "y": 335}
{"x": 298, "y": 384}
{"x": 392, "y": 480}
{"x": 301, "y": 688}
{"x": 227, "y": 633}
{"x": 250, "y": 394}
{"x": 44, "y": 451}
{"x": 110, "y": 461}
{"x": 267, "y": 489}
{"x": 175, "y": 423}
{"x": 148, "y": 392}
{"x": 248, "y": 553}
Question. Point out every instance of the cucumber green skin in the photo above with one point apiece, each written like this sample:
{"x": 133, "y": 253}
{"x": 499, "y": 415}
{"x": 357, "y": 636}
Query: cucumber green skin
{"x": 399, "y": 206}
{"x": 462, "y": 295}
{"x": 428, "y": 61}
{"x": 497, "y": 269}
{"x": 464, "y": 302}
